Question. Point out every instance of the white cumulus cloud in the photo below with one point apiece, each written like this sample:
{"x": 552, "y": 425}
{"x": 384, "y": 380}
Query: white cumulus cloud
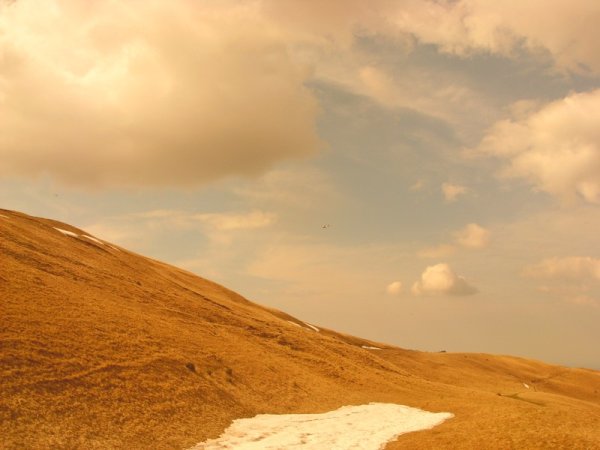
{"x": 441, "y": 279}
{"x": 556, "y": 148}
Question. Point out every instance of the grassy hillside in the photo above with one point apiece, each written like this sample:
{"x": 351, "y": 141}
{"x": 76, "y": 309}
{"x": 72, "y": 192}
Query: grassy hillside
{"x": 104, "y": 348}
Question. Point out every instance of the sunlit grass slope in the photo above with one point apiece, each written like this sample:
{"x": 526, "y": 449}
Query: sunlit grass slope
{"x": 104, "y": 348}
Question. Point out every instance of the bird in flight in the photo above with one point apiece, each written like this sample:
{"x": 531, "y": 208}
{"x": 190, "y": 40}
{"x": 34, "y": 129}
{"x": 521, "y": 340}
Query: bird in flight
{"x": 326, "y": 226}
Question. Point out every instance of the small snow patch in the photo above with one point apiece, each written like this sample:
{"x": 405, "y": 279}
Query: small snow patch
{"x": 369, "y": 347}
{"x": 91, "y": 238}
{"x": 3, "y": 216}
{"x": 365, "y": 427}
{"x": 66, "y": 232}
{"x": 312, "y": 327}
{"x": 526, "y": 385}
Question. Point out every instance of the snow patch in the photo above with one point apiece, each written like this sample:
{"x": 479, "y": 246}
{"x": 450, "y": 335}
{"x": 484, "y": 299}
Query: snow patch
{"x": 526, "y": 385}
{"x": 3, "y": 216}
{"x": 312, "y": 327}
{"x": 364, "y": 427}
{"x": 91, "y": 238}
{"x": 66, "y": 232}
{"x": 369, "y": 347}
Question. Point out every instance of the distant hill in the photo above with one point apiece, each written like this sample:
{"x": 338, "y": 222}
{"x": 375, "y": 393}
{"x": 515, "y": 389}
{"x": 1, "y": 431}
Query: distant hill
{"x": 103, "y": 348}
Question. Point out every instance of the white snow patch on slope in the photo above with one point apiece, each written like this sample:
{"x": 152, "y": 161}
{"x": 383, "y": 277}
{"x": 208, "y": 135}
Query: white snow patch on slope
{"x": 311, "y": 326}
{"x": 66, "y": 232}
{"x": 363, "y": 427}
{"x": 526, "y": 385}
{"x": 368, "y": 347}
{"x": 70, "y": 233}
{"x": 3, "y": 216}
{"x": 91, "y": 238}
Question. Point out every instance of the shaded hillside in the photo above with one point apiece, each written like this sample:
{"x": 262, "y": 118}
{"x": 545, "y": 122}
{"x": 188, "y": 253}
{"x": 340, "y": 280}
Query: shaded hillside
{"x": 103, "y": 348}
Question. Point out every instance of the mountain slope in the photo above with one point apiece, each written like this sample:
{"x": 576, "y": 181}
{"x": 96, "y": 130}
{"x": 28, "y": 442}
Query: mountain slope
{"x": 103, "y": 348}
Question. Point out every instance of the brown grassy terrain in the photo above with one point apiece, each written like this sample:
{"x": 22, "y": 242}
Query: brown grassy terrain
{"x": 103, "y": 348}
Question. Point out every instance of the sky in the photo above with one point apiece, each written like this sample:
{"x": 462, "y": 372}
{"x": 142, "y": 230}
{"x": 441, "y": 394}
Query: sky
{"x": 420, "y": 173}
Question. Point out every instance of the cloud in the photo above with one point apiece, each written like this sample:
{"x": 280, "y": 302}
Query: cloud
{"x": 576, "y": 279}
{"x": 218, "y": 221}
{"x": 473, "y": 236}
{"x": 335, "y": 22}
{"x": 379, "y": 85}
{"x": 230, "y": 222}
{"x": 572, "y": 267}
{"x": 394, "y": 288}
{"x": 556, "y": 148}
{"x": 183, "y": 93}
{"x": 220, "y": 228}
{"x": 453, "y": 191}
{"x": 148, "y": 93}
{"x": 566, "y": 31}
{"x": 223, "y": 228}
{"x": 441, "y": 279}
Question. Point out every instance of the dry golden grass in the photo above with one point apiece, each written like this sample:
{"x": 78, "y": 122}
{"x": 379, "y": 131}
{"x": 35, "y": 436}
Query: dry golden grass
{"x": 103, "y": 348}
